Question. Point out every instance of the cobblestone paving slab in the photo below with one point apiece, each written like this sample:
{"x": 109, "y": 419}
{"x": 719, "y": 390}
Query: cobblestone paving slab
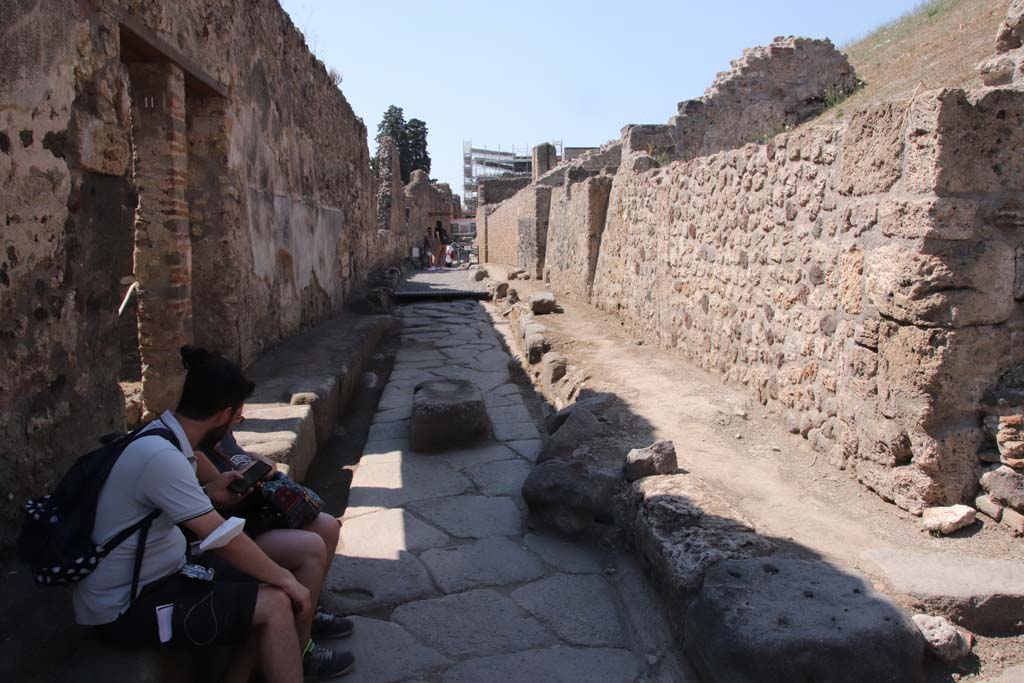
{"x": 434, "y": 547}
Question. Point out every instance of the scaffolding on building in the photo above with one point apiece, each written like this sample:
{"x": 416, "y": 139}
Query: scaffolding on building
{"x": 482, "y": 162}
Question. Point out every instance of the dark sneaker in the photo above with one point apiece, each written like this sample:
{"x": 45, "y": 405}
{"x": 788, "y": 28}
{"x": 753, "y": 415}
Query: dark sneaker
{"x": 321, "y": 663}
{"x": 327, "y": 625}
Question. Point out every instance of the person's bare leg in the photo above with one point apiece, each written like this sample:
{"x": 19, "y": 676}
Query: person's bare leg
{"x": 304, "y": 554}
{"x": 276, "y": 641}
{"x": 244, "y": 660}
{"x": 329, "y": 529}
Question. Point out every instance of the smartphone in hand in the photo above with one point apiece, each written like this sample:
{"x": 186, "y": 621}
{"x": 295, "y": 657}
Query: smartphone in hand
{"x": 252, "y": 474}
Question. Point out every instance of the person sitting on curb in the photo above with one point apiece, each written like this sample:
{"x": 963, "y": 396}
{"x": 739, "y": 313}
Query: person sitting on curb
{"x": 262, "y": 608}
{"x": 304, "y": 551}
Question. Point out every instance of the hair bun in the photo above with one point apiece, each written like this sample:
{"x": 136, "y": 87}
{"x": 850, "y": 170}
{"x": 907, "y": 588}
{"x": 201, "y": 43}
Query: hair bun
{"x": 192, "y": 356}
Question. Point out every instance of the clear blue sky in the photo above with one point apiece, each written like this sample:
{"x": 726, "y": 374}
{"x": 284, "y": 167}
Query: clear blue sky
{"x": 522, "y": 72}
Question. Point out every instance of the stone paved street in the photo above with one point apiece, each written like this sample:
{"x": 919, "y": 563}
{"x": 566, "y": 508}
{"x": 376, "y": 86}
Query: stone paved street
{"x": 435, "y": 556}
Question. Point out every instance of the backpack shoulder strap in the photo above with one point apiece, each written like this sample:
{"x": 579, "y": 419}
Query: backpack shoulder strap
{"x": 143, "y": 525}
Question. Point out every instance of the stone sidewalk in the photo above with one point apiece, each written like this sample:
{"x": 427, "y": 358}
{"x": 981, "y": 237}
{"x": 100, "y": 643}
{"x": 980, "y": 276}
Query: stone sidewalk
{"x": 435, "y": 558}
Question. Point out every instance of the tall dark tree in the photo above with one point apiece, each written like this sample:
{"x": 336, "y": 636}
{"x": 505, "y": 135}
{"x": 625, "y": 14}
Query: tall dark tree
{"x": 393, "y": 126}
{"x": 410, "y": 140}
{"x": 416, "y": 146}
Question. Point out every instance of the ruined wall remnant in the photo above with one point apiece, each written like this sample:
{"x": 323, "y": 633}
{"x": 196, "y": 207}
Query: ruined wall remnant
{"x": 515, "y": 231}
{"x": 1007, "y": 66}
{"x": 862, "y": 278}
{"x": 197, "y": 148}
{"x": 575, "y": 229}
{"x": 768, "y": 90}
{"x": 491, "y": 192}
{"x": 427, "y": 204}
{"x": 390, "y": 204}
{"x": 545, "y": 158}
{"x": 845, "y": 281}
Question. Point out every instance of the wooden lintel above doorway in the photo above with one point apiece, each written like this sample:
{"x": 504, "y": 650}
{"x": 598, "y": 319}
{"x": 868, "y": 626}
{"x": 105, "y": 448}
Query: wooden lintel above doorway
{"x": 140, "y": 44}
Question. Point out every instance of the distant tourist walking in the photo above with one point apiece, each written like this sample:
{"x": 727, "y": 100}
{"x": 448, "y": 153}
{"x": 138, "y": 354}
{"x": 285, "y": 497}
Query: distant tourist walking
{"x": 430, "y": 248}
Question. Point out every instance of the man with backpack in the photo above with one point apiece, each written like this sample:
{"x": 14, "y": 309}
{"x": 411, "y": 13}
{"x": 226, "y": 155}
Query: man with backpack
{"x": 264, "y": 610}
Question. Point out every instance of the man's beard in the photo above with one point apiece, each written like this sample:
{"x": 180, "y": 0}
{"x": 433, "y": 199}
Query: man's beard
{"x": 214, "y": 436}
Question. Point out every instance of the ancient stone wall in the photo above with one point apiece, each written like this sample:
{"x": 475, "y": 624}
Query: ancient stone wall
{"x": 492, "y": 192}
{"x": 859, "y": 279}
{"x": 515, "y": 232}
{"x": 862, "y": 277}
{"x": 1007, "y": 66}
{"x": 250, "y": 216}
{"x": 575, "y": 227}
{"x": 769, "y": 89}
{"x": 427, "y": 204}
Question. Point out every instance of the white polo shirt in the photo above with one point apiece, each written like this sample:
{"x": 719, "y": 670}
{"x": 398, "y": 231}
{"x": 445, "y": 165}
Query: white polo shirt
{"x": 151, "y": 474}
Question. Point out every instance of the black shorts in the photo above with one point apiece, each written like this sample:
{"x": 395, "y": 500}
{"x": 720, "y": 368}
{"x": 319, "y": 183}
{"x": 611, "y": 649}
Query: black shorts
{"x": 205, "y": 613}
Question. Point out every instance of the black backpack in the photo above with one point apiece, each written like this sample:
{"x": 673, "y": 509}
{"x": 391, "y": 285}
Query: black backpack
{"x": 56, "y": 533}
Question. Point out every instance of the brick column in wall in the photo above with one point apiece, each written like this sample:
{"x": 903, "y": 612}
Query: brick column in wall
{"x": 220, "y": 252}
{"x": 163, "y": 255}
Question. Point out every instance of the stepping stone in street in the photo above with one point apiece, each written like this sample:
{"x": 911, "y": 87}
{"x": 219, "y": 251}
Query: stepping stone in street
{"x": 475, "y": 623}
{"x": 386, "y": 653}
{"x": 579, "y": 608}
{"x": 471, "y": 516}
{"x": 494, "y": 561}
{"x": 772, "y": 620}
{"x": 561, "y": 664}
{"x": 447, "y": 414}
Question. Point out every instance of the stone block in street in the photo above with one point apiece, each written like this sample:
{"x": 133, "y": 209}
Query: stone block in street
{"x": 569, "y": 496}
{"x": 494, "y": 561}
{"x": 942, "y": 639}
{"x": 578, "y": 607}
{"x": 658, "y": 458}
{"x": 542, "y": 303}
{"x": 475, "y": 623}
{"x": 447, "y": 414}
{"x": 774, "y": 620}
{"x": 947, "y": 520}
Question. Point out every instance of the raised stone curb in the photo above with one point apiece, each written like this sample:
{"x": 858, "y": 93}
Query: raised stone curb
{"x": 303, "y": 385}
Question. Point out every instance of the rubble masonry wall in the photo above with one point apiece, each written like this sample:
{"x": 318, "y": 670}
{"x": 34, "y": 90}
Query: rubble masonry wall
{"x": 278, "y": 196}
{"x": 863, "y": 279}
